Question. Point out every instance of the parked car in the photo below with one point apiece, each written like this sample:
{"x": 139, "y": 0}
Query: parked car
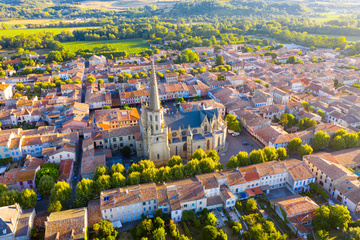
{"x": 245, "y": 143}
{"x": 38, "y": 197}
{"x": 236, "y": 134}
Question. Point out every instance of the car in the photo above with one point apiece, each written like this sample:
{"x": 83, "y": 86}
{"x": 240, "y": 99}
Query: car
{"x": 236, "y": 134}
{"x": 38, "y": 197}
{"x": 245, "y": 143}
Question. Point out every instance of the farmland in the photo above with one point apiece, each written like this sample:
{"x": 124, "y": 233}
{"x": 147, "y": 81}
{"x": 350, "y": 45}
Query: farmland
{"x": 15, "y": 32}
{"x": 129, "y": 45}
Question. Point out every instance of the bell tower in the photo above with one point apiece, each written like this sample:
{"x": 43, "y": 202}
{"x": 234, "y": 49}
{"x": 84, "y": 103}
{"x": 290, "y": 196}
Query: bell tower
{"x": 153, "y": 127}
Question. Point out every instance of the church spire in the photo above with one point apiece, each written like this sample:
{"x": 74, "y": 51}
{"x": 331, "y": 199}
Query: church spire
{"x": 154, "y": 101}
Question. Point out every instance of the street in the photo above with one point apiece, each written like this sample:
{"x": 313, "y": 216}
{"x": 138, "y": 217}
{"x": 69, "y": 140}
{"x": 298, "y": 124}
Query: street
{"x": 235, "y": 145}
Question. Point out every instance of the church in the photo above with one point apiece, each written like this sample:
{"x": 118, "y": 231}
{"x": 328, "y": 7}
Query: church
{"x": 165, "y": 134}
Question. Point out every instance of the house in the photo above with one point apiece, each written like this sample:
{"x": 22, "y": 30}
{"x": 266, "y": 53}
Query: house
{"x": 116, "y": 118}
{"x": 16, "y": 223}
{"x": 9, "y": 178}
{"x": 5, "y": 92}
{"x": 62, "y": 153}
{"x": 336, "y": 179}
{"x": 31, "y": 145}
{"x": 298, "y": 211}
{"x": 90, "y": 160}
{"x": 96, "y": 60}
{"x": 171, "y": 77}
{"x": 68, "y": 224}
{"x": 98, "y": 100}
{"x": 66, "y": 171}
{"x": 26, "y": 178}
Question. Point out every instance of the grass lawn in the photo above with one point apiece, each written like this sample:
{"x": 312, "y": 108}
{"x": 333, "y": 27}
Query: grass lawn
{"x": 28, "y": 21}
{"x": 129, "y": 45}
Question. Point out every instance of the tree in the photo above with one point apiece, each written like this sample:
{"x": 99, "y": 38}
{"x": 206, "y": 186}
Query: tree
{"x": 251, "y": 205}
{"x": 232, "y": 163}
{"x": 3, "y": 188}
{"x": 134, "y": 178}
{"x": 118, "y": 168}
{"x": 219, "y": 60}
{"x": 144, "y": 228}
{"x": 102, "y": 183}
{"x": 99, "y": 171}
{"x": 91, "y": 79}
{"x": 28, "y": 89}
{"x": 291, "y": 60}
{"x": 50, "y": 171}
{"x": 106, "y": 107}
{"x": 294, "y": 144}
{"x": 351, "y": 140}
{"x": 243, "y": 159}
{"x": 287, "y": 120}
{"x": 28, "y": 198}
{"x": 353, "y": 233}
{"x": 159, "y": 223}
{"x": 338, "y": 143}
{"x": 20, "y": 87}
{"x": 306, "y": 123}
{"x": 180, "y": 100}
{"x": 207, "y": 165}
{"x": 17, "y": 96}
{"x": 199, "y": 154}
{"x": 340, "y": 216}
{"x": 236, "y": 228}
{"x": 85, "y": 189}
{"x": 55, "y": 206}
{"x": 60, "y": 192}
{"x": 145, "y": 164}
{"x": 222, "y": 235}
{"x": 125, "y": 151}
{"x": 9, "y": 198}
{"x": 322, "y": 114}
{"x": 111, "y": 78}
{"x": 149, "y": 175}
{"x": 105, "y": 230}
{"x": 270, "y": 153}
{"x": 257, "y": 156}
{"x": 192, "y": 168}
{"x": 211, "y": 219}
{"x": 188, "y": 215}
{"x": 233, "y": 123}
{"x": 321, "y": 140}
{"x": 282, "y": 153}
{"x": 305, "y": 150}
{"x": 100, "y": 81}
{"x": 177, "y": 172}
{"x": 159, "y": 234}
{"x": 45, "y": 185}
{"x": 54, "y": 56}
{"x": 210, "y": 232}
{"x": 174, "y": 160}
{"x": 117, "y": 180}
{"x": 306, "y": 106}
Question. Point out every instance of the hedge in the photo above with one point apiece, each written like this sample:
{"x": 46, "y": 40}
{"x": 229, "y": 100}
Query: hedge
{"x": 187, "y": 230}
{"x": 319, "y": 190}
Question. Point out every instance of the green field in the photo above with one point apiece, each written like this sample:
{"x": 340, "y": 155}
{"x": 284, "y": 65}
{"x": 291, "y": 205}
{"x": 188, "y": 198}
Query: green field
{"x": 348, "y": 38}
{"x": 15, "y": 32}
{"x": 129, "y": 45}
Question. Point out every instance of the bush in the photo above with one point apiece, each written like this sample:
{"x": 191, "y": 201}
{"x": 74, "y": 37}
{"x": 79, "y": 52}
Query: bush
{"x": 187, "y": 230}
{"x": 197, "y": 223}
{"x": 319, "y": 190}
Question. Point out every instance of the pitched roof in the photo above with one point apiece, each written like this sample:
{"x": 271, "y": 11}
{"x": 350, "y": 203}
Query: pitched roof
{"x": 27, "y": 173}
{"x": 64, "y": 225}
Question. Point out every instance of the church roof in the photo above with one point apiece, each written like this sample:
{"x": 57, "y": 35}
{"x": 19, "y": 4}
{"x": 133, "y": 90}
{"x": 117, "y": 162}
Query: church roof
{"x": 193, "y": 118}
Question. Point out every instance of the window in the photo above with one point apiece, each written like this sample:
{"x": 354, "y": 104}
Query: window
{"x": 154, "y": 201}
{"x": 150, "y": 208}
{"x": 144, "y": 203}
{"x": 158, "y": 156}
{"x": 185, "y": 205}
{"x": 156, "y": 118}
{"x": 114, "y": 139}
{"x": 106, "y": 199}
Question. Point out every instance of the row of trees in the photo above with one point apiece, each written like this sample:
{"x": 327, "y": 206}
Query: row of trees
{"x": 26, "y": 198}
{"x": 257, "y": 156}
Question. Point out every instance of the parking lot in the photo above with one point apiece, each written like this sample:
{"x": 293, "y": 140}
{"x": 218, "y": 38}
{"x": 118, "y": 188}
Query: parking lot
{"x": 235, "y": 145}
{"x": 220, "y": 218}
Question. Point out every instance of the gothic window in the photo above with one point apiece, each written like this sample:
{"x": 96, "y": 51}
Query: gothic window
{"x": 156, "y": 118}
{"x": 157, "y": 127}
{"x": 158, "y": 156}
{"x": 183, "y": 133}
{"x": 208, "y": 145}
{"x": 157, "y": 139}
{"x": 185, "y": 147}
{"x": 205, "y": 128}
{"x": 218, "y": 141}
{"x": 150, "y": 118}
